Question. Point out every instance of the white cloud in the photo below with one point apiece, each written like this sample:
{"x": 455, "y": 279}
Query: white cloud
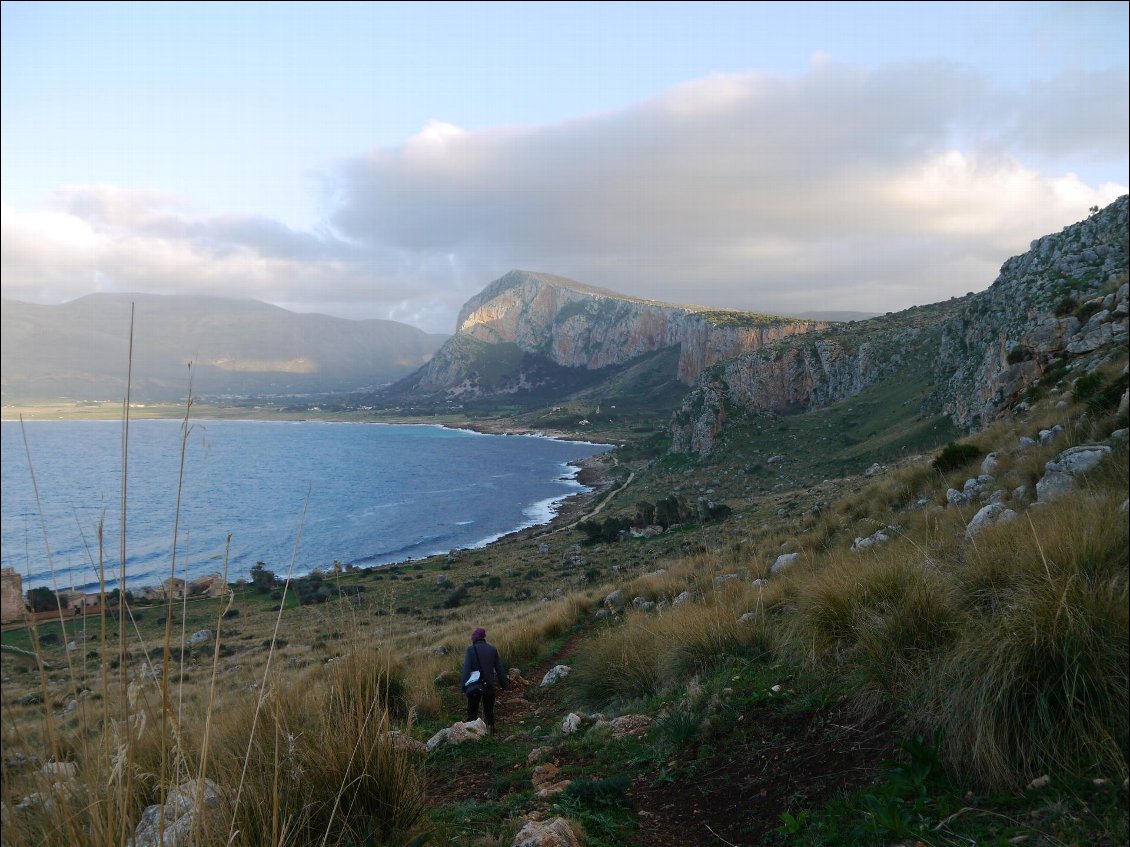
{"x": 840, "y": 188}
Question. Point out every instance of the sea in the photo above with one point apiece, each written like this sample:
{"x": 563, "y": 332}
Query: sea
{"x": 295, "y": 495}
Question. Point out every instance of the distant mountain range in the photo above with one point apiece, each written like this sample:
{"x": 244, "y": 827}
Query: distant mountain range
{"x": 80, "y": 350}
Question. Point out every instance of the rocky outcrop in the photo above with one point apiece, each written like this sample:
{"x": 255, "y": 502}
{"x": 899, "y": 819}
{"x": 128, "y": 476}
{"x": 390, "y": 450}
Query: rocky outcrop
{"x": 578, "y": 326}
{"x": 1065, "y": 298}
{"x": 1062, "y": 302}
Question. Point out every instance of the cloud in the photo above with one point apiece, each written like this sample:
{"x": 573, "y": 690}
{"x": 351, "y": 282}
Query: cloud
{"x": 860, "y": 189}
{"x": 839, "y": 188}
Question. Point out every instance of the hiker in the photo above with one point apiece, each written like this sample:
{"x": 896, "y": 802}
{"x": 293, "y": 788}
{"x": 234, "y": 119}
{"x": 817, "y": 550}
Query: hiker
{"x": 483, "y": 664}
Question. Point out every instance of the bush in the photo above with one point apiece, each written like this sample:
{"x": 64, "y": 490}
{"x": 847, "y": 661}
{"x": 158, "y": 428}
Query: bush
{"x": 954, "y": 456}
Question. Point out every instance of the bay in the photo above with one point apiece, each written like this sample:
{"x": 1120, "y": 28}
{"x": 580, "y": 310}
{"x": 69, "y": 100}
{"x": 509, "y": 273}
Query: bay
{"x": 303, "y": 492}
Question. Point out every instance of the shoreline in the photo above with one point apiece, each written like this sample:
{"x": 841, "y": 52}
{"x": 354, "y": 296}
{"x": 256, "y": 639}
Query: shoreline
{"x": 592, "y": 471}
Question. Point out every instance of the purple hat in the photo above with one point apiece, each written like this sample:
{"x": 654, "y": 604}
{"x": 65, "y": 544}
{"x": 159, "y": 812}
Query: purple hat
{"x": 478, "y": 634}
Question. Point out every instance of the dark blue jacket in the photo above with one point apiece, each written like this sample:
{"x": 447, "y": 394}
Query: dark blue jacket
{"x": 488, "y": 661}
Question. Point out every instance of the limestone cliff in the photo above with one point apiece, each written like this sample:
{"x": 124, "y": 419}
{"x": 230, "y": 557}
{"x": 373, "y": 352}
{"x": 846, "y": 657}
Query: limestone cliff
{"x": 578, "y": 326}
{"x": 1064, "y": 302}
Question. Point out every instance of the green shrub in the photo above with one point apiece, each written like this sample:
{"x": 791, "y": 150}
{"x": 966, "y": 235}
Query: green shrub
{"x": 954, "y": 456}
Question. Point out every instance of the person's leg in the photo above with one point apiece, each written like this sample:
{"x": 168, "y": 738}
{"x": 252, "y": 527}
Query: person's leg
{"x": 473, "y": 706}
{"x": 488, "y": 706}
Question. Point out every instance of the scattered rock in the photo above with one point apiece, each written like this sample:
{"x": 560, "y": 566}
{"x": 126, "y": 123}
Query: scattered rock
{"x": 759, "y": 583}
{"x": 546, "y": 782}
{"x": 643, "y": 603}
{"x": 537, "y": 754}
{"x": 615, "y": 600}
{"x": 1049, "y": 435}
{"x": 571, "y": 723}
{"x": 874, "y": 469}
{"x": 783, "y": 561}
{"x": 402, "y": 741}
{"x": 1026, "y": 442}
{"x": 877, "y": 537}
{"x": 1060, "y": 472}
{"x": 957, "y": 498}
{"x": 181, "y": 814}
{"x": 685, "y": 597}
{"x": 994, "y": 513}
{"x": 989, "y": 463}
{"x": 555, "y": 674}
{"x": 1039, "y": 782}
{"x": 630, "y": 725}
{"x": 201, "y": 636}
{"x": 775, "y": 460}
{"x": 724, "y": 578}
{"x": 459, "y": 733}
{"x": 553, "y": 833}
{"x": 61, "y": 770}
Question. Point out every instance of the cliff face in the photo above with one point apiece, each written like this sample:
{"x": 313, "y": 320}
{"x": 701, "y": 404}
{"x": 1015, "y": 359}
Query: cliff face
{"x": 577, "y": 326}
{"x": 1064, "y": 302}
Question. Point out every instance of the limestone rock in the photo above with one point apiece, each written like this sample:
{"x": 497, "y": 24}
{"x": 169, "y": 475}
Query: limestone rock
{"x": 615, "y": 600}
{"x": 783, "y": 561}
{"x": 401, "y": 741}
{"x": 992, "y": 514}
{"x": 877, "y": 537}
{"x": 552, "y": 833}
{"x": 1060, "y": 472}
{"x": 182, "y": 815}
{"x": 459, "y": 733}
{"x": 724, "y": 578}
{"x": 630, "y": 725}
{"x": 555, "y": 675}
{"x": 643, "y": 604}
{"x": 546, "y": 782}
{"x": 571, "y": 723}
{"x": 201, "y": 636}
{"x": 685, "y": 597}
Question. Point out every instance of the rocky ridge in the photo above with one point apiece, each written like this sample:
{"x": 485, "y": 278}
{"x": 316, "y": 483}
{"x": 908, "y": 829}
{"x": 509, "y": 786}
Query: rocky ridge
{"x": 1063, "y": 303}
{"x": 577, "y": 326}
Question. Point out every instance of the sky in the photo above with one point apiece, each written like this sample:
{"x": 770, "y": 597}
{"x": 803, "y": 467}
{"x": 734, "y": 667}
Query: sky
{"x": 372, "y": 160}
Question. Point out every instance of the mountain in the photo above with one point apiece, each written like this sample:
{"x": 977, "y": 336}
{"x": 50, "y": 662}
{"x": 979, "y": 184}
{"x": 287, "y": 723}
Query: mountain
{"x": 542, "y": 324}
{"x": 1061, "y": 305}
{"x": 80, "y": 350}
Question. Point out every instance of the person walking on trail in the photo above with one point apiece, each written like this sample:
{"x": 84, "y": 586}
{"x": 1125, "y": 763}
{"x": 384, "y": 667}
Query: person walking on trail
{"x": 481, "y": 665}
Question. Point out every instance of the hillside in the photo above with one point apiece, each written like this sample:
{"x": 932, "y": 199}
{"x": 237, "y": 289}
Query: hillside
{"x": 80, "y": 350}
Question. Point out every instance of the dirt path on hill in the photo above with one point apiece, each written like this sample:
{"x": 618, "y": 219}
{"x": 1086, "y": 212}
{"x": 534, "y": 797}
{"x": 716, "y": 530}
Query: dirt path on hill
{"x": 782, "y": 760}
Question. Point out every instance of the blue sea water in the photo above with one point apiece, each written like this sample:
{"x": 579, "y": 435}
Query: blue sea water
{"x": 358, "y": 493}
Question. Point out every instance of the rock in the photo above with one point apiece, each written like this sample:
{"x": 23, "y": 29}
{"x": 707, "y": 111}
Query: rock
{"x": 1125, "y": 506}
{"x": 571, "y": 723}
{"x": 1021, "y": 494}
{"x": 877, "y": 537}
{"x": 759, "y": 583}
{"x": 748, "y": 617}
{"x": 615, "y": 600}
{"x": 546, "y": 782}
{"x": 442, "y": 580}
{"x": 989, "y": 464}
{"x": 783, "y": 561}
{"x": 537, "y": 754}
{"x": 543, "y": 548}
{"x": 1049, "y": 435}
{"x": 991, "y": 514}
{"x": 459, "y": 733}
{"x": 630, "y": 725}
{"x": 182, "y": 816}
{"x": 402, "y": 741}
{"x": 957, "y": 498}
{"x": 643, "y": 603}
{"x": 553, "y": 833}
{"x": 775, "y": 460}
{"x": 874, "y": 469}
{"x": 72, "y": 646}
{"x": 685, "y": 597}
{"x": 1026, "y": 442}
{"x": 1060, "y": 472}
{"x": 724, "y": 578}
{"x": 555, "y": 674}
{"x": 1119, "y": 436}
{"x": 1039, "y": 782}
{"x": 448, "y": 677}
{"x": 201, "y": 636}
{"x": 60, "y": 770}
{"x": 602, "y": 614}
{"x": 998, "y": 496}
